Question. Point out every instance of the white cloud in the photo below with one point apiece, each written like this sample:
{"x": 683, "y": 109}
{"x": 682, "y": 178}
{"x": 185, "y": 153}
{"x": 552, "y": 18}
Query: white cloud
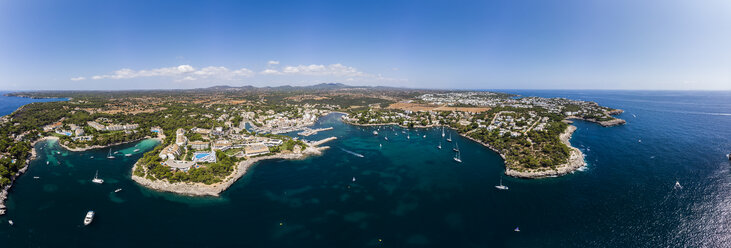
{"x": 181, "y": 72}
{"x": 324, "y": 70}
{"x": 270, "y": 72}
{"x": 312, "y": 73}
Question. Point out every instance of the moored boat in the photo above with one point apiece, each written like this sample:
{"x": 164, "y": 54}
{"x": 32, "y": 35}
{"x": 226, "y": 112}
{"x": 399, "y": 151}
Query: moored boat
{"x": 88, "y": 218}
{"x": 97, "y": 179}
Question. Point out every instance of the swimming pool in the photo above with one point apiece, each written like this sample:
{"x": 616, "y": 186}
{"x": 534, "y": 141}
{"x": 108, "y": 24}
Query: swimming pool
{"x": 201, "y": 155}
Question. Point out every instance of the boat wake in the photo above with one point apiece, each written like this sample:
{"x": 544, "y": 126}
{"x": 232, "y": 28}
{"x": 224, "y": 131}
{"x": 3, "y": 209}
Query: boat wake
{"x": 353, "y": 153}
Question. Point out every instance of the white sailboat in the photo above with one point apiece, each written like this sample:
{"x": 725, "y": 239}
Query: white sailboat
{"x": 501, "y": 186}
{"x": 456, "y": 147}
{"x": 110, "y": 156}
{"x": 88, "y": 218}
{"x": 440, "y": 145}
{"x": 442, "y": 131}
{"x": 353, "y": 179}
{"x": 97, "y": 179}
{"x": 375, "y": 132}
{"x": 450, "y": 138}
{"x": 457, "y": 158}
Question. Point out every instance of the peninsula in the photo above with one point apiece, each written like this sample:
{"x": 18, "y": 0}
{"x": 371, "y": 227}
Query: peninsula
{"x": 209, "y": 137}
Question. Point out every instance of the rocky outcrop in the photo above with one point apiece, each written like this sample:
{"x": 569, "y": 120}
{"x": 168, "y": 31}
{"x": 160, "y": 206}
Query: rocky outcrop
{"x": 611, "y": 123}
{"x": 201, "y": 189}
{"x": 575, "y": 161}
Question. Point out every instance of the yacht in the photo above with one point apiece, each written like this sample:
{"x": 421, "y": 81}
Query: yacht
{"x": 457, "y": 158}
{"x": 110, "y": 156}
{"x": 450, "y": 138}
{"x": 97, "y": 179}
{"x": 375, "y": 132}
{"x": 385, "y": 138}
{"x": 11, "y": 222}
{"x": 353, "y": 179}
{"x": 501, "y": 186}
{"x": 88, "y": 218}
{"x": 424, "y": 136}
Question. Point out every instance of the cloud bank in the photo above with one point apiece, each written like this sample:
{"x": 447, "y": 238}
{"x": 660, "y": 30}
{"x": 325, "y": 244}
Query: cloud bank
{"x": 313, "y": 72}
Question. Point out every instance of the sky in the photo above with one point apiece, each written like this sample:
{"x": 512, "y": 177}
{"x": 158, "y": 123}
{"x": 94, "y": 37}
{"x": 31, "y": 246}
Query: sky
{"x": 510, "y": 44}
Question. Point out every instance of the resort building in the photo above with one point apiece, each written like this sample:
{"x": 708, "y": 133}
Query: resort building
{"x": 180, "y": 138}
{"x": 255, "y": 149}
{"x": 52, "y": 126}
{"x": 273, "y": 142}
{"x": 199, "y": 145}
{"x": 170, "y": 152}
{"x": 221, "y": 145}
{"x": 179, "y": 164}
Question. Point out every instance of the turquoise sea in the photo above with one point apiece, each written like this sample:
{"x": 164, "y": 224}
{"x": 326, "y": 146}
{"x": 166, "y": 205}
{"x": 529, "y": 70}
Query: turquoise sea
{"x": 408, "y": 193}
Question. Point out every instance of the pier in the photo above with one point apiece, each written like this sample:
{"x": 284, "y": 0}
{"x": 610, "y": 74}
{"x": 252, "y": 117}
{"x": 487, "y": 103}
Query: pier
{"x": 309, "y": 131}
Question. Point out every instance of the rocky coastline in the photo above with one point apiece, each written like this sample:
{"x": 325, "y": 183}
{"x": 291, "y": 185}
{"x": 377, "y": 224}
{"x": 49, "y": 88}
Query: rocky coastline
{"x": 575, "y": 161}
{"x": 201, "y": 189}
{"x": 4, "y": 191}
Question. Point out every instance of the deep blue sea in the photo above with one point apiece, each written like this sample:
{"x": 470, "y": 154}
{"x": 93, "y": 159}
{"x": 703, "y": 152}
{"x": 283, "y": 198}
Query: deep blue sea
{"x": 408, "y": 193}
{"x": 10, "y": 104}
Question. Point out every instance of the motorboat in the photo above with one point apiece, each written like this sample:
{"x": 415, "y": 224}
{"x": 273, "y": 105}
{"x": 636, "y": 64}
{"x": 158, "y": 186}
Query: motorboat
{"x": 117, "y": 190}
{"x": 375, "y": 132}
{"x": 88, "y": 218}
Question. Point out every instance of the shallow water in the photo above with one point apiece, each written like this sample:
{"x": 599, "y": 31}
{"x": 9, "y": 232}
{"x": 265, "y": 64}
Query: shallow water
{"x": 408, "y": 193}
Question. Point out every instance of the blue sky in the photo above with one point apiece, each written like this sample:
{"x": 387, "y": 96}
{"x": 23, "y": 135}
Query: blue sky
{"x": 511, "y": 44}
